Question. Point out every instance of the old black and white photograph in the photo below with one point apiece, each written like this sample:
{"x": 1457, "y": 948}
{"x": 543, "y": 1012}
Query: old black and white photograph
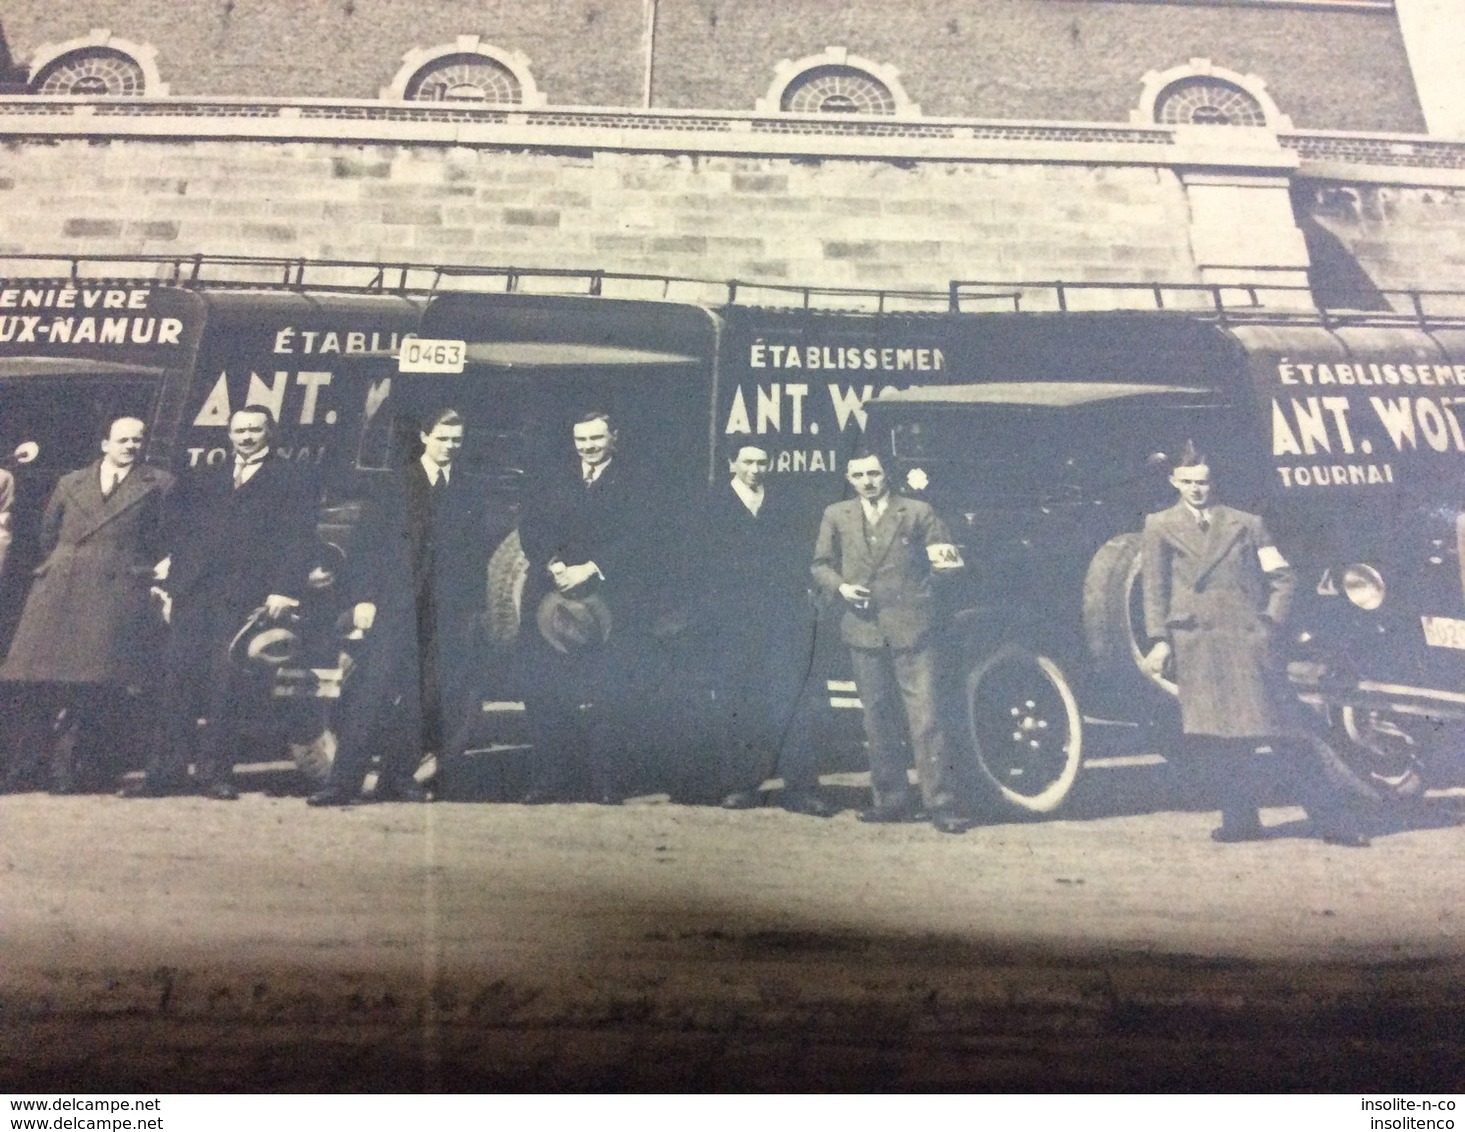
{"x": 730, "y": 546}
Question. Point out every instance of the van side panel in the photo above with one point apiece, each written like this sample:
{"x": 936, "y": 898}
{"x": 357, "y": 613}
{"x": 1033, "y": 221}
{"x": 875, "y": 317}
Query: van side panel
{"x": 1364, "y": 442}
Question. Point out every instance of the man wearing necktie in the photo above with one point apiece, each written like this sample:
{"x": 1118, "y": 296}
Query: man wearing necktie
{"x": 240, "y": 539}
{"x": 1216, "y": 594}
{"x": 86, "y": 637}
{"x": 586, "y": 536}
{"x": 757, "y": 634}
{"x": 875, "y": 558}
{"x": 418, "y": 583}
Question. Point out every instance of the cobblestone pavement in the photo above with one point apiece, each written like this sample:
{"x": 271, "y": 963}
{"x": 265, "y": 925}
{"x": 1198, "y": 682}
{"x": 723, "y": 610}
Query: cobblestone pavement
{"x": 190, "y": 944}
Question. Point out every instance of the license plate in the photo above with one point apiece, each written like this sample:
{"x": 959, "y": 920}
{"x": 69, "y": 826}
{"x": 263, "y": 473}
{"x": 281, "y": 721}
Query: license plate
{"x": 432, "y": 355}
{"x": 1444, "y": 632}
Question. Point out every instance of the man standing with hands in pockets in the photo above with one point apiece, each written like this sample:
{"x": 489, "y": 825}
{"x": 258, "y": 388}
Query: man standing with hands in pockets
{"x": 1217, "y": 593}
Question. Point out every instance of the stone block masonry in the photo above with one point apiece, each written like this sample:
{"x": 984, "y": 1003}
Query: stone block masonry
{"x": 1385, "y": 236}
{"x": 811, "y": 221}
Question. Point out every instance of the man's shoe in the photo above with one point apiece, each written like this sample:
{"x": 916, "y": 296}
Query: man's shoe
{"x": 808, "y": 803}
{"x": 946, "y": 821}
{"x": 742, "y": 800}
{"x": 334, "y": 796}
{"x": 882, "y": 815}
{"x": 220, "y": 792}
{"x": 1347, "y": 840}
{"x": 1232, "y": 834}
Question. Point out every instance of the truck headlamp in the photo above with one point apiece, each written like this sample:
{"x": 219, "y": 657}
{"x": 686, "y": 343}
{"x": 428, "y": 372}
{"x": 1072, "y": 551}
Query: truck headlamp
{"x": 1364, "y": 586}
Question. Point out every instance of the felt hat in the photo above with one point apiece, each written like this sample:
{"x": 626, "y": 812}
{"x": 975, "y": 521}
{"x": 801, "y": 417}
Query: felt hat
{"x": 570, "y": 624}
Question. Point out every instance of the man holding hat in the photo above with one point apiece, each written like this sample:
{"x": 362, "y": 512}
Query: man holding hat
{"x": 582, "y": 596}
{"x": 240, "y": 540}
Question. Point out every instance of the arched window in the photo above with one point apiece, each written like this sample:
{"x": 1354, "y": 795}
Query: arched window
{"x": 837, "y": 90}
{"x": 1201, "y": 94}
{"x": 464, "y": 78}
{"x": 1207, "y": 102}
{"x": 96, "y": 65}
{"x": 466, "y": 70}
{"x": 836, "y": 82}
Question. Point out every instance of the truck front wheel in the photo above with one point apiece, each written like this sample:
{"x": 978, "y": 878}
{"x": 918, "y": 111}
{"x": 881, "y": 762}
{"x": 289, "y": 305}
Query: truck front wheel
{"x": 1383, "y": 762}
{"x": 1025, "y": 727}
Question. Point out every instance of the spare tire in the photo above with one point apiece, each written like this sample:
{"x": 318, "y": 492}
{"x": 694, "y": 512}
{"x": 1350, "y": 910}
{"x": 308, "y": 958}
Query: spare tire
{"x": 1113, "y": 621}
{"x": 507, "y": 570}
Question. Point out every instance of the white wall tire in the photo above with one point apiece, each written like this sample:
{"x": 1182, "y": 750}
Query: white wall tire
{"x": 1025, "y": 729}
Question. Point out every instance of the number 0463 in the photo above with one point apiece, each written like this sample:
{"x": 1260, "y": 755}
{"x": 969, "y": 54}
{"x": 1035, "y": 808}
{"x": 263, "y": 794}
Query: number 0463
{"x": 432, "y": 355}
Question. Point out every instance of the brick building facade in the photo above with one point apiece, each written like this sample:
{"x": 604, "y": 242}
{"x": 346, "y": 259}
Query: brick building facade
{"x": 805, "y": 142}
{"x": 1334, "y": 66}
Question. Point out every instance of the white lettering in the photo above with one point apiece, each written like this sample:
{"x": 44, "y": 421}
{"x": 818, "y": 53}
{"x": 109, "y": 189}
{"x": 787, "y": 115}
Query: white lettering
{"x": 215, "y": 410}
{"x": 314, "y": 381}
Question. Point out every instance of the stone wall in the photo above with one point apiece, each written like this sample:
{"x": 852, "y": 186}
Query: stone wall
{"x": 1371, "y": 235}
{"x": 827, "y": 222}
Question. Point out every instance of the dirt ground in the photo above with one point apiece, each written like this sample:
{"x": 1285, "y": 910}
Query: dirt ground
{"x": 183, "y": 944}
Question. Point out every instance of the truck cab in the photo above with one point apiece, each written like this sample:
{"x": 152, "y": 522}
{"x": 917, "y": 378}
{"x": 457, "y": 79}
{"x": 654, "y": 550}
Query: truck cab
{"x": 1047, "y": 457}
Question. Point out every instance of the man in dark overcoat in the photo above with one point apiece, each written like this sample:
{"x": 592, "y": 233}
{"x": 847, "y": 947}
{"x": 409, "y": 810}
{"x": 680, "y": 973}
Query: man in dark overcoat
{"x": 584, "y": 539}
{"x": 88, "y": 640}
{"x": 1217, "y": 593}
{"x": 418, "y": 586}
{"x": 756, "y": 632}
{"x": 240, "y": 539}
{"x": 875, "y": 558}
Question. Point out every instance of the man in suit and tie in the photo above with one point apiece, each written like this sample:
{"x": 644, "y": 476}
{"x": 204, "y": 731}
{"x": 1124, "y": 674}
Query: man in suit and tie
{"x": 240, "y": 540}
{"x": 418, "y": 588}
{"x": 583, "y": 539}
{"x": 1217, "y": 593}
{"x": 757, "y": 635}
{"x": 87, "y": 638}
{"x": 875, "y": 558}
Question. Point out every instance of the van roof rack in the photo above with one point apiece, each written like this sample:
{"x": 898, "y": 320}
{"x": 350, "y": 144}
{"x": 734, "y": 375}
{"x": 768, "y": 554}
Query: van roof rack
{"x": 1225, "y": 302}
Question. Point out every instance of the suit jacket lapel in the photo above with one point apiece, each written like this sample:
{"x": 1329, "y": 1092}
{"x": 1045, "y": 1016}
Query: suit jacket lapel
{"x": 883, "y": 536}
{"x": 126, "y": 495}
{"x": 1226, "y": 528}
{"x": 252, "y": 481}
{"x": 1182, "y": 529}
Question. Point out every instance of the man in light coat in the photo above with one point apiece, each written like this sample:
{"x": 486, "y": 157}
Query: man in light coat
{"x": 1217, "y": 593}
{"x": 875, "y": 557}
{"x": 87, "y": 640}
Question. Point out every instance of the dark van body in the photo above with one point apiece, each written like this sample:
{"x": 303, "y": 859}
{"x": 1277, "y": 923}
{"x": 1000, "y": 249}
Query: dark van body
{"x": 1041, "y": 438}
{"x": 1054, "y": 444}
